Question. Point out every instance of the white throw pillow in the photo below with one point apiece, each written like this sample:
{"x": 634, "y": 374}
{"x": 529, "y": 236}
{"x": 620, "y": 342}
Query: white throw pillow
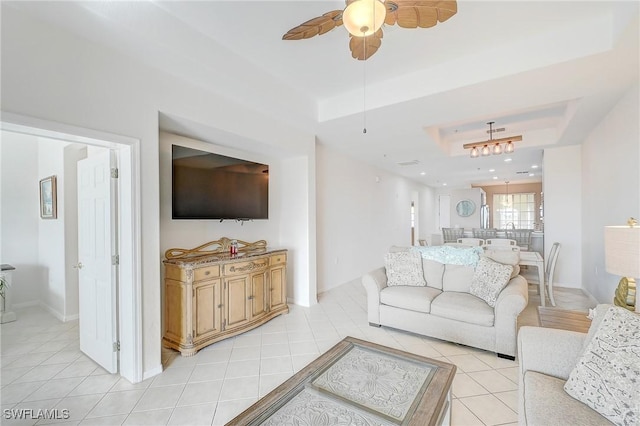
{"x": 489, "y": 279}
{"x": 404, "y": 268}
{"x": 607, "y": 376}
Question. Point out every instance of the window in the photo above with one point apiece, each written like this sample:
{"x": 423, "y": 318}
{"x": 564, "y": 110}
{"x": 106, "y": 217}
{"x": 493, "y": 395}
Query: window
{"x": 514, "y": 211}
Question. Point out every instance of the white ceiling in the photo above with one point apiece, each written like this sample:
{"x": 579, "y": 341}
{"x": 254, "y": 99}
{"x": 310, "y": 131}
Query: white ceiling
{"x": 549, "y": 71}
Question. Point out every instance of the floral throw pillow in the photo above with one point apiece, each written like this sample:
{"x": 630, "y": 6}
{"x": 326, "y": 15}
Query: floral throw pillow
{"x": 607, "y": 376}
{"x": 489, "y": 279}
{"x": 404, "y": 268}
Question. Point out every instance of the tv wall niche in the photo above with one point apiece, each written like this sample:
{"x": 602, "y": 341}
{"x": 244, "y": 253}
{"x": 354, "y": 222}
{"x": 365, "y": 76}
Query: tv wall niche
{"x": 213, "y": 186}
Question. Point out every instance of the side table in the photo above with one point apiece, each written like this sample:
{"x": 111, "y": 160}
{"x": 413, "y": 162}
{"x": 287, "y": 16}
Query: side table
{"x": 564, "y": 319}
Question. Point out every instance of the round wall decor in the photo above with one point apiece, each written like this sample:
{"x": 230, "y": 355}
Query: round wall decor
{"x": 465, "y": 208}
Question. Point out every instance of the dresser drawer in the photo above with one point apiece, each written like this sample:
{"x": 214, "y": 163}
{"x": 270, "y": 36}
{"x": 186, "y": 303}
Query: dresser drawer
{"x": 249, "y": 266}
{"x": 206, "y": 273}
{"x": 278, "y": 259}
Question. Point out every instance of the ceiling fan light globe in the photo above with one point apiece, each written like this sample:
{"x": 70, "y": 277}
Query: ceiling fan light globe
{"x": 364, "y": 17}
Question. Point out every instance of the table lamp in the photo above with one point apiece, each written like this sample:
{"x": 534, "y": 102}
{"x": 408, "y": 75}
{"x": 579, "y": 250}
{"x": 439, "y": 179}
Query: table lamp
{"x": 622, "y": 257}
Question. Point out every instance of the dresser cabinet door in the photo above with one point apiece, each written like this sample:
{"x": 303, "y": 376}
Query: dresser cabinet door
{"x": 258, "y": 294}
{"x": 237, "y": 304}
{"x": 278, "y": 286}
{"x": 207, "y": 303}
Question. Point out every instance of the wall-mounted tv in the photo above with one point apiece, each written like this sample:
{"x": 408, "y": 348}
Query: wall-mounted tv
{"x": 212, "y": 186}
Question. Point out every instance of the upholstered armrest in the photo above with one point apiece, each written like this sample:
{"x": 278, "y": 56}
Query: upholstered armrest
{"x": 511, "y": 301}
{"x": 374, "y": 282}
{"x": 549, "y": 351}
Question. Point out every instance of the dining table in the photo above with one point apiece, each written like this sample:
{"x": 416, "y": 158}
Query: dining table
{"x": 533, "y": 258}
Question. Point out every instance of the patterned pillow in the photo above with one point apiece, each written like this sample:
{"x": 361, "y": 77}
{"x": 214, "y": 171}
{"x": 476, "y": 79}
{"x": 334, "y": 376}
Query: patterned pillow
{"x": 404, "y": 268}
{"x": 607, "y": 376}
{"x": 489, "y": 279}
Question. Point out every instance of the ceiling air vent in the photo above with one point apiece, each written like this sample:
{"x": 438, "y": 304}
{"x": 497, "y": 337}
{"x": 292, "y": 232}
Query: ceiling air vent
{"x": 499, "y": 129}
{"x": 408, "y": 163}
{"x": 526, "y": 172}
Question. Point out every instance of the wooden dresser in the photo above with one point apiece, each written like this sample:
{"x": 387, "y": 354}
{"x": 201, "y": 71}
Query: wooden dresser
{"x": 208, "y": 298}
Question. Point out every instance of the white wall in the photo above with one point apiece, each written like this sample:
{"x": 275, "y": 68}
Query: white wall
{"x": 51, "y": 247}
{"x": 562, "y": 188}
{"x": 20, "y": 215}
{"x": 611, "y": 189}
{"x": 361, "y": 211}
{"x": 473, "y": 221}
{"x": 53, "y": 75}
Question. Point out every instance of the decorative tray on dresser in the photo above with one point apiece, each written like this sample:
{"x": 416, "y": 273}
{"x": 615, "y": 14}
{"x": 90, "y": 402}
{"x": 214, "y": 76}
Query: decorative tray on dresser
{"x": 211, "y": 294}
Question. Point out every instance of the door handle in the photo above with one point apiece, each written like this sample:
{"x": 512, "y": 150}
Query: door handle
{"x": 79, "y": 265}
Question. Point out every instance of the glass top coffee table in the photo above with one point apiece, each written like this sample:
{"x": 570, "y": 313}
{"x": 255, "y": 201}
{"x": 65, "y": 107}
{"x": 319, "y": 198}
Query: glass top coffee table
{"x": 362, "y": 383}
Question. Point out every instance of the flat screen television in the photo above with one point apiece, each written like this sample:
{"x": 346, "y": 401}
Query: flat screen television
{"x": 212, "y": 186}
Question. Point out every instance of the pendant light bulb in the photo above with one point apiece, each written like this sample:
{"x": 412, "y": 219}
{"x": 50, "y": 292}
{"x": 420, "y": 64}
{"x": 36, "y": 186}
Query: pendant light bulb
{"x": 508, "y": 148}
{"x": 474, "y": 152}
{"x": 497, "y": 149}
{"x": 486, "y": 151}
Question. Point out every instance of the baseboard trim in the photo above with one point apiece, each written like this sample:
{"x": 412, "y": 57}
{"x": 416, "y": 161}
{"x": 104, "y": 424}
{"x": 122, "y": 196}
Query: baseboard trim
{"x": 151, "y": 373}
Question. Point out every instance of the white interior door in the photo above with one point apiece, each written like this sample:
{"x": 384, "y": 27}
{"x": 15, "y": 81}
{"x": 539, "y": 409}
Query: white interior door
{"x": 97, "y": 274}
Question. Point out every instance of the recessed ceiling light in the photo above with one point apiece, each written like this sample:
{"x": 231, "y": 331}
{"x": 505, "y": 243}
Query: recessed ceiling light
{"x": 506, "y": 160}
{"x": 535, "y": 166}
{"x": 531, "y": 174}
{"x": 495, "y": 177}
{"x": 444, "y": 184}
{"x": 423, "y": 173}
{"x": 492, "y": 170}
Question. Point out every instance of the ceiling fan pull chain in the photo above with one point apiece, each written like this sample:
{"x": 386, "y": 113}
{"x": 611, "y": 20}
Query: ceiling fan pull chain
{"x": 364, "y": 88}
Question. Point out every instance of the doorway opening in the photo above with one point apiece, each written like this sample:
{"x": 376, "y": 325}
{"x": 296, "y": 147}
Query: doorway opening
{"x": 128, "y": 202}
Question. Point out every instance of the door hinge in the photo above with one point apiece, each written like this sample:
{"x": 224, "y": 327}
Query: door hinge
{"x": 114, "y": 173}
{"x": 115, "y": 259}
{"x": 116, "y": 346}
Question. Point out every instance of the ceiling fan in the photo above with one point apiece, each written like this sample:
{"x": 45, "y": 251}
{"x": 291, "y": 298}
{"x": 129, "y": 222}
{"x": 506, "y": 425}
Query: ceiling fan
{"x": 364, "y": 18}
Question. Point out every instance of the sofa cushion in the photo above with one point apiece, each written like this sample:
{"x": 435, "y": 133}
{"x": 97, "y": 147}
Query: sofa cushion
{"x": 413, "y": 298}
{"x": 462, "y": 307}
{"x": 404, "y": 268}
{"x": 607, "y": 376}
{"x": 489, "y": 279}
{"x": 546, "y": 403}
{"x": 457, "y": 278}
{"x": 433, "y": 272}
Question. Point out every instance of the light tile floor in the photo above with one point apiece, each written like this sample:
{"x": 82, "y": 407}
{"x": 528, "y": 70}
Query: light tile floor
{"x": 43, "y": 368}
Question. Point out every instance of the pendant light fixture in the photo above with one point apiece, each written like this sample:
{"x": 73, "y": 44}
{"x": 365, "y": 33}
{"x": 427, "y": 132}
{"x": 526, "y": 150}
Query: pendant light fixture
{"x": 492, "y": 146}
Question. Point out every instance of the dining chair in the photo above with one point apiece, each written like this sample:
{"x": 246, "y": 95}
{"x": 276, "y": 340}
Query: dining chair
{"x": 522, "y": 237}
{"x": 451, "y": 235}
{"x": 549, "y": 271}
{"x": 471, "y": 241}
{"x": 500, "y": 242}
{"x": 423, "y": 242}
{"x": 484, "y": 233}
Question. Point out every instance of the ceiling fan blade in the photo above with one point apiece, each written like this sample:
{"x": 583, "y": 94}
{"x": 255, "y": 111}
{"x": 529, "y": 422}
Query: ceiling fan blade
{"x": 315, "y": 26}
{"x": 423, "y": 14}
{"x": 357, "y": 45}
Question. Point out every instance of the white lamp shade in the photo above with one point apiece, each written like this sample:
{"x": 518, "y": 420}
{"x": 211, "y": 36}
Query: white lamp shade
{"x": 622, "y": 250}
{"x": 364, "y": 17}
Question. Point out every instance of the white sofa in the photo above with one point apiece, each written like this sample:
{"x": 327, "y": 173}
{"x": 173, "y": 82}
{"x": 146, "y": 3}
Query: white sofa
{"x": 445, "y": 309}
{"x": 546, "y": 357}
{"x": 570, "y": 378}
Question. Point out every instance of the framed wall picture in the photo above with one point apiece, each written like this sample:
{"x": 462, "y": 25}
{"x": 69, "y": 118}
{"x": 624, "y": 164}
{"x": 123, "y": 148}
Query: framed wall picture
{"x": 465, "y": 208}
{"x": 48, "y": 198}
